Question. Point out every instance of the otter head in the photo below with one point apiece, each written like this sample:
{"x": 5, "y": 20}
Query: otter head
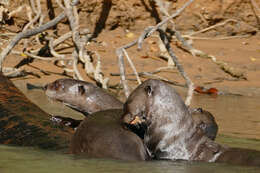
{"x": 205, "y": 121}
{"x": 68, "y": 91}
{"x": 152, "y": 102}
{"x": 137, "y": 104}
{"x": 167, "y": 118}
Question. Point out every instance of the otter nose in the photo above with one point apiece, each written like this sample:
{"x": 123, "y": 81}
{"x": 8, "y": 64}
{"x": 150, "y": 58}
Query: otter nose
{"x": 127, "y": 118}
{"x": 45, "y": 87}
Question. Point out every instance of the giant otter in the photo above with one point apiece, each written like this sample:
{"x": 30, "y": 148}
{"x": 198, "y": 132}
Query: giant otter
{"x": 171, "y": 132}
{"x": 103, "y": 135}
{"x": 82, "y": 96}
{"x": 205, "y": 121}
{"x": 87, "y": 98}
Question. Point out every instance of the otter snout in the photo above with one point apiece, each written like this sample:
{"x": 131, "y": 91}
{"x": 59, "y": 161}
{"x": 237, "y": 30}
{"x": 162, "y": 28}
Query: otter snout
{"x": 127, "y": 118}
{"x": 45, "y": 87}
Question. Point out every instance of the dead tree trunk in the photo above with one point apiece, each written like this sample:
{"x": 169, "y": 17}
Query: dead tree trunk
{"x": 22, "y": 123}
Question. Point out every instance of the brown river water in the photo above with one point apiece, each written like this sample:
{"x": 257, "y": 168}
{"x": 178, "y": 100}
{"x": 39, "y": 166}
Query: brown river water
{"x": 239, "y": 126}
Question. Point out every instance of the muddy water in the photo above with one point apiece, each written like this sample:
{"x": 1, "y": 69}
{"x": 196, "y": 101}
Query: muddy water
{"x": 236, "y": 115}
{"x": 18, "y": 159}
{"x": 238, "y": 119}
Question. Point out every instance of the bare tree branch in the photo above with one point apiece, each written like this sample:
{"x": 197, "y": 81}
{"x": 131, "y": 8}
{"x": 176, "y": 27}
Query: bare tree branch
{"x": 147, "y": 32}
{"x": 132, "y": 66}
{"x": 27, "y": 34}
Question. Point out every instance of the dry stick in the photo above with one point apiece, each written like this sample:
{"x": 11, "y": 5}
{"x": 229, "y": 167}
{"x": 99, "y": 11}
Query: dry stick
{"x": 79, "y": 42}
{"x": 218, "y": 38}
{"x": 144, "y": 74}
{"x": 74, "y": 25}
{"x": 163, "y": 79}
{"x": 28, "y": 33}
{"x": 32, "y": 21}
{"x": 223, "y": 66}
{"x": 120, "y": 56}
{"x": 53, "y": 52}
{"x": 85, "y": 58}
{"x": 33, "y": 6}
{"x": 177, "y": 13}
{"x": 179, "y": 67}
{"x": 132, "y": 66}
{"x": 47, "y": 59}
{"x": 196, "y": 52}
{"x": 98, "y": 75}
{"x": 153, "y": 74}
{"x": 164, "y": 6}
{"x": 214, "y": 26}
{"x": 158, "y": 70}
{"x": 66, "y": 36}
{"x": 80, "y": 52}
{"x": 40, "y": 23}
{"x": 256, "y": 9}
{"x": 12, "y": 13}
{"x": 174, "y": 58}
{"x": 40, "y": 57}
{"x": 176, "y": 33}
{"x": 12, "y": 72}
{"x": 119, "y": 51}
{"x": 59, "y": 40}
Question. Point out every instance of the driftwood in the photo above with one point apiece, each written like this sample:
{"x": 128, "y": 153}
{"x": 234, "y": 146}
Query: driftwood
{"x": 22, "y": 123}
{"x": 166, "y": 42}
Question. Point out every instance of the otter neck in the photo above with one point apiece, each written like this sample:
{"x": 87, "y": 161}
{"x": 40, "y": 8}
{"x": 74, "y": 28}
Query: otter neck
{"x": 173, "y": 139}
{"x": 168, "y": 134}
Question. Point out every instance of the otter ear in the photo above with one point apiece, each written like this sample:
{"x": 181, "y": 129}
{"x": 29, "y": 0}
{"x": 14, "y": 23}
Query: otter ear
{"x": 148, "y": 89}
{"x": 81, "y": 89}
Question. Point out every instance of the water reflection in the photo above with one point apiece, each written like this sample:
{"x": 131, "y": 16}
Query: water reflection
{"x": 236, "y": 115}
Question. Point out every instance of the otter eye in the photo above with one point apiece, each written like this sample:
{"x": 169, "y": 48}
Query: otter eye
{"x": 148, "y": 90}
{"x": 203, "y": 126}
{"x": 56, "y": 85}
{"x": 142, "y": 115}
{"x": 81, "y": 89}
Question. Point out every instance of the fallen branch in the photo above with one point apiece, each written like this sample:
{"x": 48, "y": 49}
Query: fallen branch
{"x": 158, "y": 70}
{"x": 147, "y": 32}
{"x": 195, "y": 52}
{"x": 153, "y": 75}
{"x": 132, "y": 66}
{"x": 25, "y": 124}
{"x": 223, "y": 66}
{"x": 13, "y": 72}
{"x": 53, "y": 52}
{"x": 79, "y": 52}
{"x": 27, "y": 34}
{"x": 72, "y": 16}
{"x": 213, "y": 26}
{"x": 216, "y": 38}
{"x": 189, "y": 83}
{"x": 177, "y": 13}
{"x": 176, "y": 33}
{"x": 28, "y": 54}
{"x": 66, "y": 36}
{"x": 119, "y": 53}
{"x": 256, "y": 10}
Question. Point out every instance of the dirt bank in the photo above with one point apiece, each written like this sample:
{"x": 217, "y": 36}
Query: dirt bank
{"x": 115, "y": 23}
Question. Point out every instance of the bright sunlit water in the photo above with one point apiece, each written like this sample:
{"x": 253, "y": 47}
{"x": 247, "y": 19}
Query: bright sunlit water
{"x": 21, "y": 159}
{"x": 238, "y": 119}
